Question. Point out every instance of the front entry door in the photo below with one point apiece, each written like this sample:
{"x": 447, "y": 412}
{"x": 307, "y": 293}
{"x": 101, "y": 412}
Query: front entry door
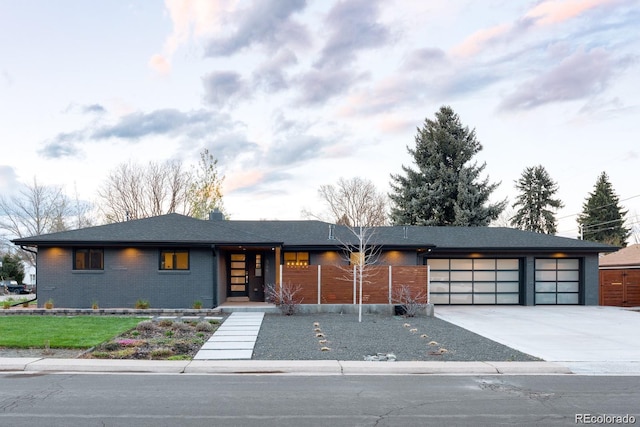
{"x": 255, "y": 265}
{"x": 238, "y": 275}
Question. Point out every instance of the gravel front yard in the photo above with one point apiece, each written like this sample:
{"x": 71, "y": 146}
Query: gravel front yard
{"x": 341, "y": 337}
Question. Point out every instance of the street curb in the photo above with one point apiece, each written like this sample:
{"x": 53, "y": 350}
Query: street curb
{"x": 280, "y": 367}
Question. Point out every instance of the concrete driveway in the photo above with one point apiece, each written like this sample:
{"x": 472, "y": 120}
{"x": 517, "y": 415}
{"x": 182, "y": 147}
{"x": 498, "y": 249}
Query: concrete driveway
{"x": 588, "y": 340}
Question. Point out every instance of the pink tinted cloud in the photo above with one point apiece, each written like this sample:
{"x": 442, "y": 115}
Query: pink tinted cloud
{"x": 546, "y": 13}
{"x": 190, "y": 19}
{"x": 553, "y": 12}
{"x": 476, "y": 41}
{"x": 160, "y": 64}
{"x": 242, "y": 179}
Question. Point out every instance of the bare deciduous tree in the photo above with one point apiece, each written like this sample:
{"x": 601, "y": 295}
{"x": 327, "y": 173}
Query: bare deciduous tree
{"x": 360, "y": 253}
{"x": 132, "y": 191}
{"x": 36, "y": 210}
{"x": 354, "y": 202}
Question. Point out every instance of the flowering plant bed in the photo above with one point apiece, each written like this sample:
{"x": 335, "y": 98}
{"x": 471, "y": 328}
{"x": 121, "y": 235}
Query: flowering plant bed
{"x": 157, "y": 340}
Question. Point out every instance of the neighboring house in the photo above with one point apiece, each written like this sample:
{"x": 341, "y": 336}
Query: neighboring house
{"x": 174, "y": 260}
{"x": 620, "y": 277}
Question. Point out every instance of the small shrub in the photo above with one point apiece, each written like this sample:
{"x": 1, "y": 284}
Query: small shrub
{"x": 6, "y": 304}
{"x": 111, "y": 346}
{"x": 204, "y": 327}
{"x": 179, "y": 357}
{"x": 165, "y": 323}
{"x": 101, "y": 355}
{"x": 161, "y": 353}
{"x": 169, "y": 333}
{"x": 94, "y": 305}
{"x": 182, "y": 347}
{"x": 142, "y": 304}
{"x": 135, "y": 333}
{"x": 125, "y": 353}
{"x": 214, "y": 321}
{"x": 412, "y": 302}
{"x": 147, "y": 326}
{"x": 129, "y": 342}
{"x": 181, "y": 326}
{"x": 197, "y": 304}
{"x": 200, "y": 335}
{"x": 49, "y": 304}
{"x": 286, "y": 297}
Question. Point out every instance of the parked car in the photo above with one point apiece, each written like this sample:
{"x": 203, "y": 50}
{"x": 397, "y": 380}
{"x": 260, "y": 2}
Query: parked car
{"x": 12, "y": 287}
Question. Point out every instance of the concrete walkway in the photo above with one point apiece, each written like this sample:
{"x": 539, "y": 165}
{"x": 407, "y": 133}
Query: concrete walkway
{"x": 234, "y": 339}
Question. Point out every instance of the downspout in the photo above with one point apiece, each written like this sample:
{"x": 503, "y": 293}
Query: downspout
{"x": 214, "y": 275}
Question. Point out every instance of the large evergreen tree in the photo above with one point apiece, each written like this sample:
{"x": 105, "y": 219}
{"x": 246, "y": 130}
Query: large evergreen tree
{"x": 602, "y": 218}
{"x": 446, "y": 188}
{"x": 535, "y": 201}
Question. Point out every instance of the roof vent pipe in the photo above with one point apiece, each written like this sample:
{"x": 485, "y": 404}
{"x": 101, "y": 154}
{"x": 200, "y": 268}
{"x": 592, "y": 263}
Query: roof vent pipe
{"x": 331, "y": 232}
{"x": 404, "y": 231}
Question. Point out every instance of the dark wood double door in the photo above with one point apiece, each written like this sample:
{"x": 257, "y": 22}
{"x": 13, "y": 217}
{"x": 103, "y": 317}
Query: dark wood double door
{"x": 246, "y": 275}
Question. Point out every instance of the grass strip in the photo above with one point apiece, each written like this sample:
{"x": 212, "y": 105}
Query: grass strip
{"x": 61, "y": 332}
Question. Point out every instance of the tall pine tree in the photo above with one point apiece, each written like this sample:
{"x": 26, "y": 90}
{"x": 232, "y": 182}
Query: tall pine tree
{"x": 602, "y": 218}
{"x": 535, "y": 201}
{"x": 446, "y": 188}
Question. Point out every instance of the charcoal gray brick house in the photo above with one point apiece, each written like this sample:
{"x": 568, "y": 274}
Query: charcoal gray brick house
{"x": 174, "y": 260}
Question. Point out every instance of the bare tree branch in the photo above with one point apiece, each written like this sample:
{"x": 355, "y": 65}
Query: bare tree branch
{"x": 353, "y": 202}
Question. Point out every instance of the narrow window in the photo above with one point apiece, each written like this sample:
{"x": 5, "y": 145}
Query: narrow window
{"x": 258, "y": 265}
{"x": 88, "y": 259}
{"x": 172, "y": 259}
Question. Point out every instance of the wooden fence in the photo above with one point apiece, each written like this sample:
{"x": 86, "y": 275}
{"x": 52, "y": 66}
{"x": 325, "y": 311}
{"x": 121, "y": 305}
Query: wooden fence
{"x": 331, "y": 284}
{"x": 620, "y": 287}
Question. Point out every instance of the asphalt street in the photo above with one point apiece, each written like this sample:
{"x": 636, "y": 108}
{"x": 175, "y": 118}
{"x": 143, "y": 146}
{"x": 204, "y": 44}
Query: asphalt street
{"x": 36, "y": 400}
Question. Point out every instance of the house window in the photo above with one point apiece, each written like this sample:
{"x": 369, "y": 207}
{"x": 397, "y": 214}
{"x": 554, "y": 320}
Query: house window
{"x": 355, "y": 258}
{"x": 88, "y": 259}
{"x": 258, "y": 265}
{"x": 296, "y": 258}
{"x": 172, "y": 259}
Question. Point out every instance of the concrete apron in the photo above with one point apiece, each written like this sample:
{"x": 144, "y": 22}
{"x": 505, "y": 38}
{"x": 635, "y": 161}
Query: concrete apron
{"x": 587, "y": 339}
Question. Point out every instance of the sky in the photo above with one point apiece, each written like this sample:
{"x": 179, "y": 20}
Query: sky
{"x": 289, "y": 95}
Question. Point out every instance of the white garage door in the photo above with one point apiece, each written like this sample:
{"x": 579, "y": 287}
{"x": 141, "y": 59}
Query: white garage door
{"x": 557, "y": 281}
{"x": 475, "y": 281}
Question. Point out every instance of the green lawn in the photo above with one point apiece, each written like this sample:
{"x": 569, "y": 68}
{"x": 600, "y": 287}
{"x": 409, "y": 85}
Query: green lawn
{"x": 61, "y": 332}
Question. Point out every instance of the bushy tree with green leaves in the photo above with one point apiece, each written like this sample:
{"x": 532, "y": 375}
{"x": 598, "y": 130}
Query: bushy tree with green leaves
{"x": 535, "y": 202}
{"x": 446, "y": 187}
{"x": 205, "y": 191}
{"x": 12, "y": 267}
{"x": 602, "y": 219}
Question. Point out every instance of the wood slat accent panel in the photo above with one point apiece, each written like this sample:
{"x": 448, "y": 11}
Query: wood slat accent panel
{"x": 337, "y": 284}
{"x": 306, "y": 277}
{"x": 415, "y": 277}
{"x": 375, "y": 285}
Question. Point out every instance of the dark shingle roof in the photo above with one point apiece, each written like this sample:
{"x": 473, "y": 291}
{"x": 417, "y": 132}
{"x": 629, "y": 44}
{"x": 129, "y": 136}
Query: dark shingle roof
{"x": 178, "y": 229}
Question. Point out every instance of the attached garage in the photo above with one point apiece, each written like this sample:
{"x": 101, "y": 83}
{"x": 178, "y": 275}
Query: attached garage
{"x": 475, "y": 281}
{"x": 557, "y": 281}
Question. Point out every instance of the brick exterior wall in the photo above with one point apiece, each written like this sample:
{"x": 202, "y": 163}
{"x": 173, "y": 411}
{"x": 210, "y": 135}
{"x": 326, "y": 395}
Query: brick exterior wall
{"x": 129, "y": 274}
